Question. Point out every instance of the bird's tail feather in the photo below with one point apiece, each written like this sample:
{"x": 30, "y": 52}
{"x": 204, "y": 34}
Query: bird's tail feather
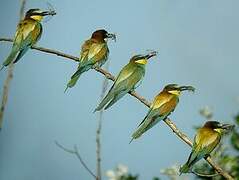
{"x": 184, "y": 169}
{"x": 2, "y": 67}
{"x": 76, "y": 76}
{"x": 115, "y": 99}
{"x": 145, "y": 125}
{"x": 20, "y": 54}
{"x": 193, "y": 158}
{"x": 11, "y": 56}
{"x": 139, "y": 131}
{"x": 106, "y": 99}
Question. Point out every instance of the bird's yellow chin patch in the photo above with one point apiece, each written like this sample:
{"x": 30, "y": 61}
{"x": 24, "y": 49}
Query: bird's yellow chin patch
{"x": 37, "y": 17}
{"x": 141, "y": 61}
{"x": 219, "y": 130}
{"x": 175, "y": 92}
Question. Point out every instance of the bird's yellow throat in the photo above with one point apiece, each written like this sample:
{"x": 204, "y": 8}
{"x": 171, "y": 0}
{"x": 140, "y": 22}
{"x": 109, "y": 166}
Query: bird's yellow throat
{"x": 141, "y": 61}
{"x": 175, "y": 92}
{"x": 37, "y": 17}
{"x": 219, "y": 130}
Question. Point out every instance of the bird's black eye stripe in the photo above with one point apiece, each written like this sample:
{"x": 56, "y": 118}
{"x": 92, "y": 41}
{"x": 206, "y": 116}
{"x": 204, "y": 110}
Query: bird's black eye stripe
{"x": 138, "y": 57}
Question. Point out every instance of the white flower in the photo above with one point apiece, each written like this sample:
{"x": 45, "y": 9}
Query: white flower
{"x": 121, "y": 170}
{"x": 111, "y": 175}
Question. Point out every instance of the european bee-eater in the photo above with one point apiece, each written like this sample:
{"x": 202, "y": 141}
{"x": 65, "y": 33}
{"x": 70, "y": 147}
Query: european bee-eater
{"x": 28, "y": 32}
{"x": 163, "y": 104}
{"x": 205, "y": 141}
{"x": 127, "y": 80}
{"x": 94, "y": 53}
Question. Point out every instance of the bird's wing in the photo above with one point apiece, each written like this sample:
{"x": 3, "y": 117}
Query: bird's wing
{"x": 128, "y": 78}
{"x": 28, "y": 32}
{"x": 125, "y": 81}
{"x": 85, "y": 50}
{"x": 160, "y": 109}
{"x": 93, "y": 52}
{"x": 205, "y": 142}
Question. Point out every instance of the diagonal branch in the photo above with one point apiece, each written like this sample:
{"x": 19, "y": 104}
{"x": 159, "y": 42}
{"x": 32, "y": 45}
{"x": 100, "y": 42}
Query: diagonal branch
{"x": 170, "y": 124}
{"x": 77, "y": 154}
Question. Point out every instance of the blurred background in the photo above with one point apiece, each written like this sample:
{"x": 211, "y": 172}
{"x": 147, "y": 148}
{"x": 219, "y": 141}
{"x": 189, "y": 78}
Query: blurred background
{"x": 198, "y": 45}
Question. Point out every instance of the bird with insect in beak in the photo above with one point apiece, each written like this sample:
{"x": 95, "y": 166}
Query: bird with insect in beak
{"x": 162, "y": 106}
{"x": 205, "y": 141}
{"x": 28, "y": 32}
{"x": 94, "y": 53}
{"x": 127, "y": 80}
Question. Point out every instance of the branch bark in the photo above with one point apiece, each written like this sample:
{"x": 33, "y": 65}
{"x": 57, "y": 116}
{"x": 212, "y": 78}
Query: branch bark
{"x": 7, "y": 82}
{"x": 168, "y": 122}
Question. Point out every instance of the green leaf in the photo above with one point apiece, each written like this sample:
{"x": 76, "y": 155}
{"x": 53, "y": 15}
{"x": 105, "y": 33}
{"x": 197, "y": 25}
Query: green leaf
{"x": 237, "y": 119}
{"x": 235, "y": 140}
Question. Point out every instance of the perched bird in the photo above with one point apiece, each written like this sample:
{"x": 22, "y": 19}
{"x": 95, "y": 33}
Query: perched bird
{"x": 127, "y": 80}
{"x": 163, "y": 104}
{"x": 28, "y": 32}
{"x": 205, "y": 141}
{"x": 94, "y": 53}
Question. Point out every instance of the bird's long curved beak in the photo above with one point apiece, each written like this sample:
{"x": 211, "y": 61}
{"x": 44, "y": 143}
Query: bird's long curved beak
{"x": 187, "y": 88}
{"x": 111, "y": 36}
{"x": 151, "y": 54}
{"x": 48, "y": 13}
{"x": 227, "y": 126}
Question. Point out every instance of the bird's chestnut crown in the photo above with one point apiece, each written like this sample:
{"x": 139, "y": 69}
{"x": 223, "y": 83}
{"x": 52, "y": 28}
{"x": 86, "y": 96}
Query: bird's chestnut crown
{"x": 103, "y": 34}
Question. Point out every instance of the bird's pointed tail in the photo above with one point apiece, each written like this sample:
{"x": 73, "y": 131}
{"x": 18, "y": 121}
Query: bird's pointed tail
{"x": 1, "y": 67}
{"x": 131, "y": 140}
{"x": 76, "y": 76}
{"x": 72, "y": 82}
{"x": 11, "y": 57}
{"x": 184, "y": 169}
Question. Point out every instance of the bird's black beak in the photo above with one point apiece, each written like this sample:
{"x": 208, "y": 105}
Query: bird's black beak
{"x": 48, "y": 13}
{"x": 150, "y": 54}
{"x": 111, "y": 36}
{"x": 186, "y": 88}
{"x": 226, "y": 126}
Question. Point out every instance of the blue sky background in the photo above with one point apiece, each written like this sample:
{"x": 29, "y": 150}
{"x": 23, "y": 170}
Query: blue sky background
{"x": 198, "y": 43}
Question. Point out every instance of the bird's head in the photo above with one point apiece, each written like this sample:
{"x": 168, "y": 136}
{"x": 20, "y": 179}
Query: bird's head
{"x": 217, "y": 126}
{"x": 176, "y": 89}
{"x": 102, "y": 34}
{"x": 143, "y": 59}
{"x": 38, "y": 14}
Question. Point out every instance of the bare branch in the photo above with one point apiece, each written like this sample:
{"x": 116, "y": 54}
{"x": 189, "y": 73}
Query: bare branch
{"x": 99, "y": 127}
{"x": 77, "y": 154}
{"x": 170, "y": 124}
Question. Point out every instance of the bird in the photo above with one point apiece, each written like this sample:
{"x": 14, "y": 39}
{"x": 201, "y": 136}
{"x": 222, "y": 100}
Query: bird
{"x": 161, "y": 107}
{"x": 94, "y": 53}
{"x": 28, "y": 32}
{"x": 205, "y": 141}
{"x": 128, "y": 79}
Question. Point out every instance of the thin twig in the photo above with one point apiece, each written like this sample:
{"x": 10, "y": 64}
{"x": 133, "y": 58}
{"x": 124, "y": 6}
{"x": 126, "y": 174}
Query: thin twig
{"x": 77, "y": 154}
{"x": 7, "y": 82}
{"x": 170, "y": 124}
{"x": 22, "y": 9}
{"x": 99, "y": 127}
